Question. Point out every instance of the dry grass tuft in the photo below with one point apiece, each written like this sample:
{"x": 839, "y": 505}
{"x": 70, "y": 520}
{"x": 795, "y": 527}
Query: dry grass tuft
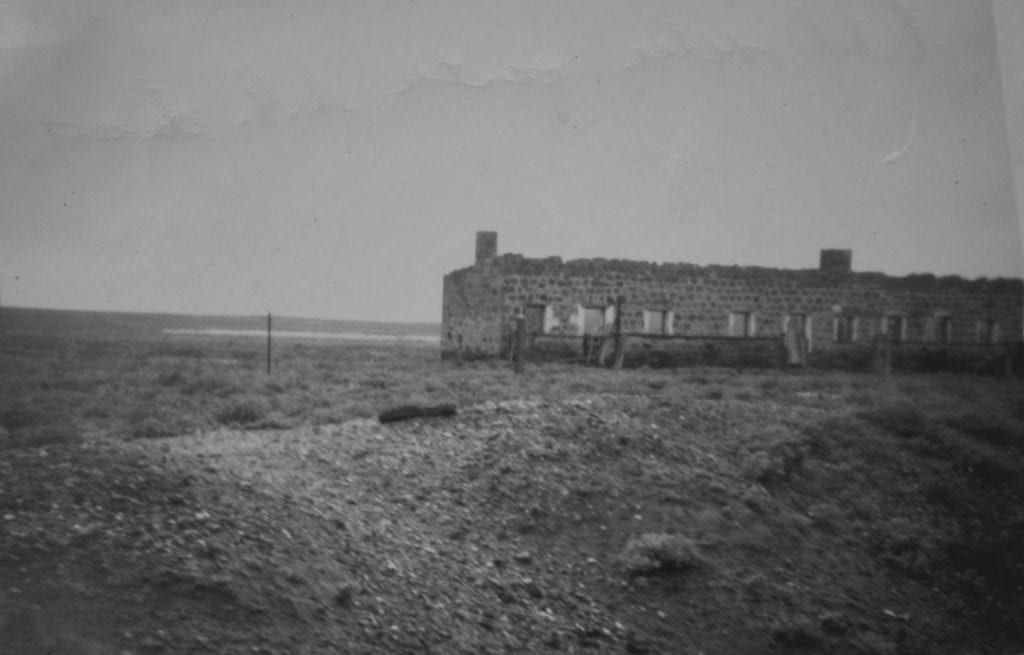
{"x": 652, "y": 552}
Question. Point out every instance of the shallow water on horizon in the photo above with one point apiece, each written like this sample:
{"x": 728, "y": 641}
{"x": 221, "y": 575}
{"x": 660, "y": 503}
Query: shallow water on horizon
{"x": 290, "y": 334}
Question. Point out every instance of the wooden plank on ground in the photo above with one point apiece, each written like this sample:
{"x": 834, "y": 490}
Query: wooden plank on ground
{"x": 416, "y": 411}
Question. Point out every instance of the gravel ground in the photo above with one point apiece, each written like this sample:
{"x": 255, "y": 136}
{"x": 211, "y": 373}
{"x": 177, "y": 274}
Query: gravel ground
{"x": 671, "y": 522}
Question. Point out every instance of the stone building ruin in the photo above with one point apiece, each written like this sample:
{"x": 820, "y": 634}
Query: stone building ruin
{"x": 684, "y": 313}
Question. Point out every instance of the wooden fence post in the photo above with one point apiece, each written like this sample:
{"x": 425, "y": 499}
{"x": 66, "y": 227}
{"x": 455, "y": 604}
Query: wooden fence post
{"x": 607, "y": 344}
{"x": 268, "y": 343}
{"x": 520, "y": 345}
{"x": 620, "y": 346}
{"x": 881, "y": 355}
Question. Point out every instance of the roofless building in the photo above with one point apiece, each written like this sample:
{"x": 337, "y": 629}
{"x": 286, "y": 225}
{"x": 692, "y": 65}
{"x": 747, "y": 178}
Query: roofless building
{"x": 731, "y": 312}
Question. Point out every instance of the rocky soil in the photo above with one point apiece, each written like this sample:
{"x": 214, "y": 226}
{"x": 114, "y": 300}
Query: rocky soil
{"x": 669, "y": 522}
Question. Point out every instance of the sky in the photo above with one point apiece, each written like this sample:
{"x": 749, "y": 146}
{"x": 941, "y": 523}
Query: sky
{"x": 334, "y": 159}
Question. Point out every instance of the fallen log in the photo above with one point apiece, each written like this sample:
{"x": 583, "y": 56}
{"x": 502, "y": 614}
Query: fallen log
{"x": 415, "y": 411}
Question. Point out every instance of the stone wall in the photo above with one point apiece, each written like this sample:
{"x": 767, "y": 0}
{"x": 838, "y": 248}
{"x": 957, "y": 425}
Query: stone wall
{"x": 757, "y": 352}
{"x": 471, "y": 319}
{"x": 482, "y": 302}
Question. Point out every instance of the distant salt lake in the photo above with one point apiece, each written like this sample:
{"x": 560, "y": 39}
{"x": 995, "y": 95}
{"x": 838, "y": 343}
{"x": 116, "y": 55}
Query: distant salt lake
{"x": 351, "y": 336}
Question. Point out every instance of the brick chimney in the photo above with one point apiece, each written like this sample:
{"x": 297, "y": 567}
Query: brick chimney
{"x": 486, "y": 246}
{"x": 835, "y": 260}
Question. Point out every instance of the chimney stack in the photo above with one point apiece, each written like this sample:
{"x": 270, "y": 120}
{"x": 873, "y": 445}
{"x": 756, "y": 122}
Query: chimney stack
{"x": 486, "y": 246}
{"x": 836, "y": 261}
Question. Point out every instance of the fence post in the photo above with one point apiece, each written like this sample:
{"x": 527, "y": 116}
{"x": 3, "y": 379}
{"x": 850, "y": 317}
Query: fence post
{"x": 520, "y": 345}
{"x": 620, "y": 346}
{"x": 606, "y": 350}
{"x": 268, "y": 343}
{"x": 881, "y": 355}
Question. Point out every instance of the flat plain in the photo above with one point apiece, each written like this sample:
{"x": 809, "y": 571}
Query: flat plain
{"x": 164, "y": 494}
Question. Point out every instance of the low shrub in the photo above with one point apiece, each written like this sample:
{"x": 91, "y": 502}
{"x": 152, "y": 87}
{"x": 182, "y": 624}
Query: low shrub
{"x": 827, "y": 516}
{"x": 152, "y": 427}
{"x": 767, "y": 467}
{"x": 960, "y": 387}
{"x": 832, "y": 434}
{"x": 797, "y": 633}
{"x": 205, "y": 380}
{"x": 988, "y": 428}
{"x": 158, "y": 417}
{"x": 651, "y": 552}
{"x": 328, "y": 415}
{"x": 173, "y": 378}
{"x": 903, "y": 419}
{"x": 777, "y": 455}
{"x": 23, "y": 416}
{"x": 243, "y": 411}
{"x": 902, "y": 545}
{"x": 977, "y": 460}
{"x": 41, "y": 435}
{"x": 991, "y": 467}
{"x": 987, "y": 536}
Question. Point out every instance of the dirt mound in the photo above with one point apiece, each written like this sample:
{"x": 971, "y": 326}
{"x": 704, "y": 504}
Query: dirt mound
{"x": 650, "y": 523}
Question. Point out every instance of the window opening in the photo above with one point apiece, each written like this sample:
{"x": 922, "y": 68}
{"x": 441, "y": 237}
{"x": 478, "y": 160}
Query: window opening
{"x": 894, "y": 327}
{"x": 798, "y": 324}
{"x": 593, "y": 320}
{"x": 741, "y": 324}
{"x": 943, "y": 329}
{"x": 988, "y": 331}
{"x": 656, "y": 321}
{"x": 534, "y": 315}
{"x": 845, "y": 329}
